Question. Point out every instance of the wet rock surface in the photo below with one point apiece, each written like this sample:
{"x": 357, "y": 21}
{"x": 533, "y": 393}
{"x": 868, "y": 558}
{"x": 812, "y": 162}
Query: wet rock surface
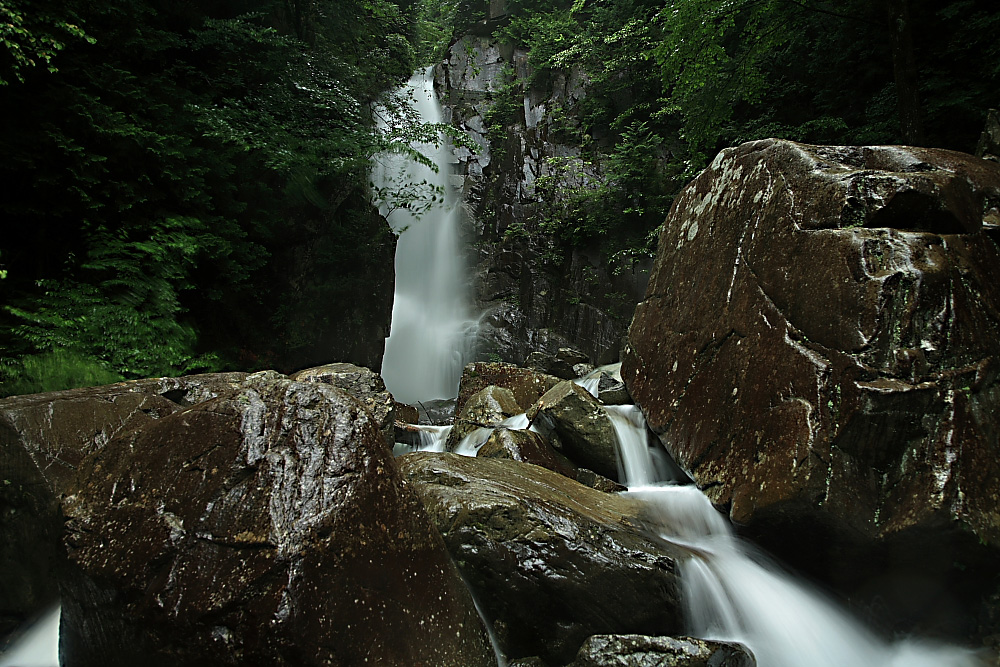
{"x": 526, "y": 446}
{"x": 267, "y": 527}
{"x": 566, "y": 363}
{"x": 818, "y": 348}
{"x": 581, "y": 425}
{"x": 58, "y": 429}
{"x": 550, "y": 561}
{"x": 642, "y": 651}
{"x": 484, "y": 409}
{"x": 361, "y": 383}
{"x": 43, "y": 439}
{"x": 525, "y": 384}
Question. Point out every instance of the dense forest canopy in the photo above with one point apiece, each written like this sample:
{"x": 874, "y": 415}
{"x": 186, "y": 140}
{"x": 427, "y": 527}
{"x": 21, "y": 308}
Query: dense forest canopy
{"x": 163, "y": 159}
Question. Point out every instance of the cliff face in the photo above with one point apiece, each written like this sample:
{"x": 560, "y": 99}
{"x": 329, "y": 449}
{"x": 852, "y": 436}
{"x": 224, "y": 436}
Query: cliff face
{"x": 526, "y": 148}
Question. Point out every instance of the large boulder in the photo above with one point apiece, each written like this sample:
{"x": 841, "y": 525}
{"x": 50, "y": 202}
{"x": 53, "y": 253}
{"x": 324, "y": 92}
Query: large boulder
{"x": 550, "y": 560}
{"x": 266, "y": 527}
{"x": 642, "y": 651}
{"x": 43, "y": 439}
{"x": 819, "y": 345}
{"x": 581, "y": 425}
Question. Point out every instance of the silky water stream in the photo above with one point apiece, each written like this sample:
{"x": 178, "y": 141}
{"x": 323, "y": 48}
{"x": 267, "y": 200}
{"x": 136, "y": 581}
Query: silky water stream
{"x": 733, "y": 592}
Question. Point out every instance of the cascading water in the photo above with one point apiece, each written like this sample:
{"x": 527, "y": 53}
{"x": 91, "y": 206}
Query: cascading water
{"x": 432, "y": 335}
{"x": 731, "y": 595}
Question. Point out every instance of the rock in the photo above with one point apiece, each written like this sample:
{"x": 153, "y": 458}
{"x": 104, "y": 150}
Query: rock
{"x": 31, "y": 526}
{"x": 526, "y": 385}
{"x": 267, "y": 527}
{"x": 583, "y": 427}
{"x": 989, "y": 141}
{"x": 819, "y": 349}
{"x": 361, "y": 383}
{"x": 599, "y": 482}
{"x": 43, "y": 438}
{"x": 535, "y": 293}
{"x": 567, "y": 363}
{"x": 550, "y": 561}
{"x": 484, "y": 409}
{"x": 533, "y": 661}
{"x": 526, "y": 446}
{"x": 58, "y": 429}
{"x": 641, "y": 651}
{"x": 407, "y": 414}
{"x": 436, "y": 412}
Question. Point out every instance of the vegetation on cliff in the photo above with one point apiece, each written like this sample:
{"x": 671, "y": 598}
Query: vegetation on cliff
{"x": 672, "y": 82}
{"x": 185, "y": 185}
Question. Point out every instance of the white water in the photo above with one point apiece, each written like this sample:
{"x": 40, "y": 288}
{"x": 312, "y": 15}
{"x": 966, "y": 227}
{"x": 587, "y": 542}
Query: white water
{"x": 38, "y": 646}
{"x": 731, "y": 595}
{"x": 432, "y": 335}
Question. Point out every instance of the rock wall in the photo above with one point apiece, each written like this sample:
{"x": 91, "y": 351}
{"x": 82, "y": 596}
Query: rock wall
{"x": 536, "y": 295}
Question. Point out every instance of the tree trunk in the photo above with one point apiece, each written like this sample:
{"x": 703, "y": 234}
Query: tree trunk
{"x": 904, "y": 65}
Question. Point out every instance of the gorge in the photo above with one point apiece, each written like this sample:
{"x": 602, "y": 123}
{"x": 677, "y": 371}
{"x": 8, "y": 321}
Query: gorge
{"x": 811, "y": 372}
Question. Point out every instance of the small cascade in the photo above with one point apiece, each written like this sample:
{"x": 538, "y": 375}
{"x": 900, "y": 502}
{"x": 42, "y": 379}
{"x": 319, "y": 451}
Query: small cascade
{"x": 38, "y": 646}
{"x": 432, "y": 335}
{"x": 429, "y": 439}
{"x": 592, "y": 380}
{"x": 732, "y": 594}
{"x": 471, "y": 444}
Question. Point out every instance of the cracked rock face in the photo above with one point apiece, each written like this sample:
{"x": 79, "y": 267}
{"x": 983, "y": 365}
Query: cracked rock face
{"x": 267, "y": 527}
{"x": 820, "y": 341}
{"x": 550, "y": 560}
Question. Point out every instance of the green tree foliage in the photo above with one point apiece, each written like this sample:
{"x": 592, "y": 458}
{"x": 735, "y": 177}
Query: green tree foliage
{"x": 163, "y": 181}
{"x": 621, "y": 185}
{"x": 824, "y": 72}
{"x": 31, "y": 36}
{"x": 671, "y": 82}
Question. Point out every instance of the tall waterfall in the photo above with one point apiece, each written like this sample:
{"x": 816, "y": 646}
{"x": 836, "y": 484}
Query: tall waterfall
{"x": 432, "y": 335}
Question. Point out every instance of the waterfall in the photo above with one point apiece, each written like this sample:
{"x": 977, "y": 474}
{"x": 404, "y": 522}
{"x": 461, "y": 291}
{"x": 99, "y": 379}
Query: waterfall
{"x": 432, "y": 336}
{"x": 732, "y": 593}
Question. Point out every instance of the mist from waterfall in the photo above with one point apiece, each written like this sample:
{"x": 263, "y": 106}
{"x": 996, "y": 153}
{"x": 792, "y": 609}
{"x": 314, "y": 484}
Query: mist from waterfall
{"x": 432, "y": 335}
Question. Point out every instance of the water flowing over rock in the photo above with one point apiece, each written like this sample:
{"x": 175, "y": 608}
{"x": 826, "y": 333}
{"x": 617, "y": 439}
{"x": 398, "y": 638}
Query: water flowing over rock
{"x": 584, "y": 429}
{"x": 641, "y": 651}
{"x": 550, "y": 560}
{"x": 819, "y": 342}
{"x": 484, "y": 409}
